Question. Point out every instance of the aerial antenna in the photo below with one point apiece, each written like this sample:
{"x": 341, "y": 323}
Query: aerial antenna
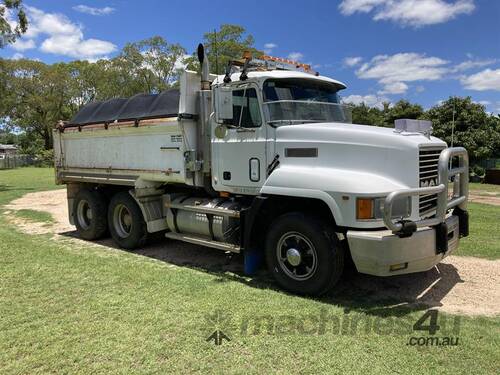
{"x": 453, "y": 123}
{"x": 216, "y": 53}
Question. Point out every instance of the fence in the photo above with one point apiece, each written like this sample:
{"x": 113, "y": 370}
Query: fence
{"x": 490, "y": 163}
{"x": 15, "y": 161}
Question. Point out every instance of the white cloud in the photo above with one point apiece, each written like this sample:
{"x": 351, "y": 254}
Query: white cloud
{"x": 268, "y": 47}
{"x": 24, "y": 44}
{"x": 487, "y": 79}
{"x": 369, "y": 100}
{"x": 297, "y": 56}
{"x": 470, "y": 64}
{"x": 75, "y": 46}
{"x": 420, "y": 89}
{"x": 409, "y": 12}
{"x": 393, "y": 71}
{"x": 180, "y": 63}
{"x": 49, "y": 23}
{"x": 348, "y": 7}
{"x": 94, "y": 11}
{"x": 63, "y": 37}
{"x": 17, "y": 56}
{"x": 352, "y": 61}
{"x": 394, "y": 88}
{"x": 484, "y": 102}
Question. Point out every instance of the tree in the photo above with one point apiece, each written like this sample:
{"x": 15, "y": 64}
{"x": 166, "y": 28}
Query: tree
{"x": 223, "y": 45}
{"x": 91, "y": 82}
{"x": 13, "y": 21}
{"x": 474, "y": 129}
{"x": 149, "y": 66}
{"x": 402, "y": 109}
{"x": 38, "y": 95}
{"x": 363, "y": 114}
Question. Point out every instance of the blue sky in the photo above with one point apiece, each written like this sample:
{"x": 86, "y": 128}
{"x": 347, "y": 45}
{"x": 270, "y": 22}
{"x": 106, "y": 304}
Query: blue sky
{"x": 420, "y": 50}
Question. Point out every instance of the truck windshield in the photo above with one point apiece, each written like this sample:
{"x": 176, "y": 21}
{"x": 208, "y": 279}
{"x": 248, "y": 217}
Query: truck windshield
{"x": 289, "y": 101}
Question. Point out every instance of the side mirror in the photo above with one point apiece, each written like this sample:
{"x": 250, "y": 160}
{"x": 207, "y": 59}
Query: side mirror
{"x": 223, "y": 104}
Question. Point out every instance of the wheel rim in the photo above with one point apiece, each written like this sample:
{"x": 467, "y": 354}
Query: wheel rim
{"x": 122, "y": 220}
{"x": 296, "y": 256}
{"x": 84, "y": 214}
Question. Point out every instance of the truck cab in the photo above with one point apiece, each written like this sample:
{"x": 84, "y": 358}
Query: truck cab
{"x": 265, "y": 160}
{"x": 246, "y": 122}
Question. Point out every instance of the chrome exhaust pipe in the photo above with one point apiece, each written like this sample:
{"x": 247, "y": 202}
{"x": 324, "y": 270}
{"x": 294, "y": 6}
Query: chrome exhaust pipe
{"x": 205, "y": 69}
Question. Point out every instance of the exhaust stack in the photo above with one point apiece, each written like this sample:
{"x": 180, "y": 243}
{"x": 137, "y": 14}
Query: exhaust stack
{"x": 205, "y": 71}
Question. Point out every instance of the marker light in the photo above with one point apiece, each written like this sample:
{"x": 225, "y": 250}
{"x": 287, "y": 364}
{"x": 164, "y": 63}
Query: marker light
{"x": 373, "y": 208}
{"x": 364, "y": 208}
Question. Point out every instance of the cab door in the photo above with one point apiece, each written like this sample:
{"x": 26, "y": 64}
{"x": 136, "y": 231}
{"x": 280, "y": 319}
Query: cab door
{"x": 239, "y": 152}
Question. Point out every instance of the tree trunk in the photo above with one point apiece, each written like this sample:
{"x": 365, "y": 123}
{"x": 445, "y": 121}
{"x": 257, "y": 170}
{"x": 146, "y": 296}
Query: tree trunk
{"x": 47, "y": 138}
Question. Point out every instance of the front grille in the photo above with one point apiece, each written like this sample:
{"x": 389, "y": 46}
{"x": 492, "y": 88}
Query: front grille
{"x": 428, "y": 176}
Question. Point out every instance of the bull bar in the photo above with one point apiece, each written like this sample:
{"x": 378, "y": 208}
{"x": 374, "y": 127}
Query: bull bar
{"x": 445, "y": 172}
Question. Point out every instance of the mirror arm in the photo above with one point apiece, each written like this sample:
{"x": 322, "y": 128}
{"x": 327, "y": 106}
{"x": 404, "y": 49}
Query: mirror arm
{"x": 227, "y": 77}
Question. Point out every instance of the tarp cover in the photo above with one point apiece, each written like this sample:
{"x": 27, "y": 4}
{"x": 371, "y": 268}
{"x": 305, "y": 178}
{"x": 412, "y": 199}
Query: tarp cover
{"x": 141, "y": 106}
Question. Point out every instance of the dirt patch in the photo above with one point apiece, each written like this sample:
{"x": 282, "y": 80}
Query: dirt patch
{"x": 462, "y": 285}
{"x": 53, "y": 202}
{"x": 458, "y": 285}
{"x": 484, "y": 197}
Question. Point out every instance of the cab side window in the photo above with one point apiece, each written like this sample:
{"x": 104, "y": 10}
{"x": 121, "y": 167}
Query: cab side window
{"x": 246, "y": 111}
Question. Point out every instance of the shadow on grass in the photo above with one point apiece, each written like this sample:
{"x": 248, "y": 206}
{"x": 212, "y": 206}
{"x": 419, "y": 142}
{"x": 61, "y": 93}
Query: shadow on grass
{"x": 379, "y": 296}
{"x": 13, "y": 188}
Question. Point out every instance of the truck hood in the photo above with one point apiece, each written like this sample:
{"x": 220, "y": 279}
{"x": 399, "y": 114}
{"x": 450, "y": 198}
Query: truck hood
{"x": 364, "y": 149}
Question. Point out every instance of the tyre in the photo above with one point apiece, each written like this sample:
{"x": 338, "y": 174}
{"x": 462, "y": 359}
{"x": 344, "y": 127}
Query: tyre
{"x": 303, "y": 254}
{"x": 89, "y": 214}
{"x": 126, "y": 222}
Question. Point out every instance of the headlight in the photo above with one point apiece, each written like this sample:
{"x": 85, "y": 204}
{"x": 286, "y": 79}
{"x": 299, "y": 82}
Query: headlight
{"x": 373, "y": 208}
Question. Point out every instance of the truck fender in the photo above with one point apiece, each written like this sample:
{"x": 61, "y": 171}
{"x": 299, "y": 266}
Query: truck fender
{"x": 337, "y": 188}
{"x": 284, "y": 181}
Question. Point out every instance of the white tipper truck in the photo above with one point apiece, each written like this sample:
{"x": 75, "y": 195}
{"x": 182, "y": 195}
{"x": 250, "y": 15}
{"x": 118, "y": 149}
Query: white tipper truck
{"x": 265, "y": 161}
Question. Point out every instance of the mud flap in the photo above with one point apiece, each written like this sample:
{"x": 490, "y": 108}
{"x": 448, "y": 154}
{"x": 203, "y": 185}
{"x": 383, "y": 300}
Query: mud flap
{"x": 463, "y": 221}
{"x": 441, "y": 238}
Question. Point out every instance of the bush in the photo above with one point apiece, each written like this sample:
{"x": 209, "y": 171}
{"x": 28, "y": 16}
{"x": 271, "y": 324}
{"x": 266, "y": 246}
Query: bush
{"x": 478, "y": 170}
{"x": 45, "y": 158}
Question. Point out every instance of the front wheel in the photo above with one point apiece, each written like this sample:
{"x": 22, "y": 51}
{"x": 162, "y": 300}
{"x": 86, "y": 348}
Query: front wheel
{"x": 303, "y": 254}
{"x": 126, "y": 222}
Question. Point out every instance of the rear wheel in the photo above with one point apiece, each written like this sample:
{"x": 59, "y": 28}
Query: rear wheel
{"x": 303, "y": 254}
{"x": 89, "y": 213}
{"x": 126, "y": 222}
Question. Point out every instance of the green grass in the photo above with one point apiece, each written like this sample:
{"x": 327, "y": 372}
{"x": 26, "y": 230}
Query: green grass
{"x": 484, "y": 232}
{"x": 70, "y": 308}
{"x": 34, "y": 215}
{"x": 14, "y": 183}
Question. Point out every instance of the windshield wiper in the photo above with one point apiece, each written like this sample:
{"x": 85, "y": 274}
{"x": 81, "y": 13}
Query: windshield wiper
{"x": 291, "y": 122}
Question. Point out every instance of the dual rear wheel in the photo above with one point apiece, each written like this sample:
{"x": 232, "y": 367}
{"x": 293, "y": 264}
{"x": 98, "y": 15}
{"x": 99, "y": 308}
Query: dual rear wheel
{"x": 122, "y": 218}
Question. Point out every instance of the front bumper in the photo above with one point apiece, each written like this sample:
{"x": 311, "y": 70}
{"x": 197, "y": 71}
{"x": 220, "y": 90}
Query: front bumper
{"x": 415, "y": 246}
{"x": 374, "y": 252}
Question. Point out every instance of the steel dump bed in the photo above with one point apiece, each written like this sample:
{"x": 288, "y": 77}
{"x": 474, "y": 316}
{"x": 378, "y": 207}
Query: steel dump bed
{"x": 121, "y": 140}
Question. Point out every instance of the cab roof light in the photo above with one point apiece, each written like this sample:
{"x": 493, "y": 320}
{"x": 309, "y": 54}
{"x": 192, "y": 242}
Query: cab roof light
{"x": 306, "y": 67}
{"x": 266, "y": 62}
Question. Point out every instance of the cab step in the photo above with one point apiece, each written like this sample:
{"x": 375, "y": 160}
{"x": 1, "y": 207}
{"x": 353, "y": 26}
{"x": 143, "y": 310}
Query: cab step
{"x": 203, "y": 242}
